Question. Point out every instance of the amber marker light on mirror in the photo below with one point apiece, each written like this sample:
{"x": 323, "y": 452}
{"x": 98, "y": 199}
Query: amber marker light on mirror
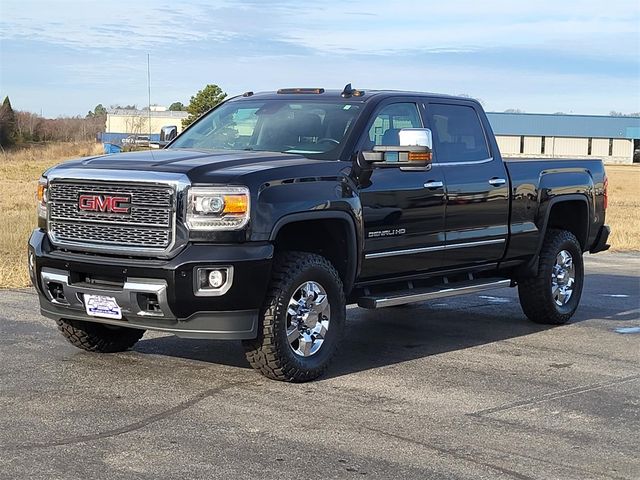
{"x": 419, "y": 156}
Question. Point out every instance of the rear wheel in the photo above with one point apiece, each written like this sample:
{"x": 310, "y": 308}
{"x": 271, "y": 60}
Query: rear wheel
{"x": 97, "y": 337}
{"x": 553, "y": 295}
{"x": 302, "y": 319}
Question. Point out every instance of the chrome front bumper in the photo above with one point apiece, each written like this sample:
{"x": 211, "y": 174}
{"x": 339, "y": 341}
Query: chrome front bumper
{"x": 128, "y": 297}
{"x": 61, "y": 298}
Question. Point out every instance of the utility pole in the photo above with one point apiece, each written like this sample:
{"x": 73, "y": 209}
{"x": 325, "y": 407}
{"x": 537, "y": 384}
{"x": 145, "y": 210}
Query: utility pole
{"x": 149, "y": 91}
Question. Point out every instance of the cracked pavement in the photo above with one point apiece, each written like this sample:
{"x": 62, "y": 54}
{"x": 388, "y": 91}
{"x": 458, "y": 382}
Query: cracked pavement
{"x": 460, "y": 388}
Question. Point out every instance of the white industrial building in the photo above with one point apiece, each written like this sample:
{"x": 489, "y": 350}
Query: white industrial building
{"x": 123, "y": 122}
{"x": 613, "y": 139}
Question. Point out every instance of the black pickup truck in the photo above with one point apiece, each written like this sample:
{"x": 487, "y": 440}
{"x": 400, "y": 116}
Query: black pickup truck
{"x": 272, "y": 212}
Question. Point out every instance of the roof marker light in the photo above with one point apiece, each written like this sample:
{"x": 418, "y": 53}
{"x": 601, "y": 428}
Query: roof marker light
{"x": 284, "y": 91}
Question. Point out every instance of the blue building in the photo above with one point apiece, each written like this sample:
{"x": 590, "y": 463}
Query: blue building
{"x": 614, "y": 139}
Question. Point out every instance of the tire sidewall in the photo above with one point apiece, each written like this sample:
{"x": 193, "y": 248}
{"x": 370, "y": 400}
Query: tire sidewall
{"x": 335, "y": 297}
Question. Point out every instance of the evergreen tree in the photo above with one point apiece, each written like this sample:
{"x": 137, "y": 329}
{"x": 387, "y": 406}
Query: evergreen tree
{"x": 7, "y": 124}
{"x": 99, "y": 111}
{"x": 202, "y": 102}
{"x": 176, "y": 107}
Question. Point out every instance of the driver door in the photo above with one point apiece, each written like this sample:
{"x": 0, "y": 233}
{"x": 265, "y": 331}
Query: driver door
{"x": 403, "y": 209}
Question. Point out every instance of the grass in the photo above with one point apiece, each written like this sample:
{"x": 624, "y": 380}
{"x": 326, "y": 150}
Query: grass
{"x": 19, "y": 173}
{"x": 20, "y": 170}
{"x": 623, "y": 214}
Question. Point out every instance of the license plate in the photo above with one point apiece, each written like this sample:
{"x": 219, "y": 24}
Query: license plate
{"x": 102, "y": 306}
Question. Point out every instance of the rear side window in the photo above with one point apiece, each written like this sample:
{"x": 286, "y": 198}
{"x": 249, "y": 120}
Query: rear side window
{"x": 458, "y": 135}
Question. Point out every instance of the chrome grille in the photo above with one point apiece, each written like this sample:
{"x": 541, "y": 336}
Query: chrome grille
{"x": 143, "y": 216}
{"x": 110, "y": 234}
{"x": 157, "y": 196}
{"x": 149, "y": 225}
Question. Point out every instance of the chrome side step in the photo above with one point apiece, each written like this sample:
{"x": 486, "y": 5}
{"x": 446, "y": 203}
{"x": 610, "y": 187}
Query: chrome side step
{"x": 440, "y": 291}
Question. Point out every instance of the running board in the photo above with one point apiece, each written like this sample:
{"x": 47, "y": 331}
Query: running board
{"x": 440, "y": 291}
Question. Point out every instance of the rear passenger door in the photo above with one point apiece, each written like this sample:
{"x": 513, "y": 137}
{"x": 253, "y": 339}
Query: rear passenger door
{"x": 477, "y": 211}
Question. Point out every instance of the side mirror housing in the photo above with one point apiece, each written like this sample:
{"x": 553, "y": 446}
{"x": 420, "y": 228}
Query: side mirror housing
{"x": 416, "y": 137}
{"x": 168, "y": 133}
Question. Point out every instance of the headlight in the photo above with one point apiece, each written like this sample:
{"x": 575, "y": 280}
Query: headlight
{"x": 42, "y": 196}
{"x": 217, "y": 208}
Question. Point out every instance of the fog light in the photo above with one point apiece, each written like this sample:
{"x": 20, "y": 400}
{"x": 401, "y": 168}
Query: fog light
{"x": 216, "y": 278}
{"x": 212, "y": 281}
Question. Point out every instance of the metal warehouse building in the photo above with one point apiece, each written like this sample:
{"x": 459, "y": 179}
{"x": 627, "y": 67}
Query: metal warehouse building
{"x": 614, "y": 139}
{"x": 122, "y": 122}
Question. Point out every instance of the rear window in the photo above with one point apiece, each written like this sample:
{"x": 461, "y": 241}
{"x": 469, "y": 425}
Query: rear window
{"x": 458, "y": 135}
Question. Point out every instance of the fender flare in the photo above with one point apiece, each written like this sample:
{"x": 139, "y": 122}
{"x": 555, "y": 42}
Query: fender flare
{"x": 353, "y": 253}
{"x": 531, "y": 267}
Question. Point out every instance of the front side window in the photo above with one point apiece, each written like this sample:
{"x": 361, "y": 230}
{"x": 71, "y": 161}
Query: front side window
{"x": 458, "y": 135}
{"x": 388, "y": 122}
{"x": 313, "y": 129}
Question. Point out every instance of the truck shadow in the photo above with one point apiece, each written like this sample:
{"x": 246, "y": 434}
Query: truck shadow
{"x": 375, "y": 338}
{"x": 378, "y": 338}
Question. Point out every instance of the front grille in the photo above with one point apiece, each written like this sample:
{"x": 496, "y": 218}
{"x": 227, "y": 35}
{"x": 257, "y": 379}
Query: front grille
{"x": 142, "y": 216}
{"x": 148, "y": 225}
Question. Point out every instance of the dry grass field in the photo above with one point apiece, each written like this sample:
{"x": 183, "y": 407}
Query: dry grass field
{"x": 19, "y": 173}
{"x": 623, "y": 214}
{"x": 20, "y": 170}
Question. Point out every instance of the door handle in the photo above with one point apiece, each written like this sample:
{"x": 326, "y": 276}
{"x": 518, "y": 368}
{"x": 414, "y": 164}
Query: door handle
{"x": 496, "y": 182}
{"x": 433, "y": 184}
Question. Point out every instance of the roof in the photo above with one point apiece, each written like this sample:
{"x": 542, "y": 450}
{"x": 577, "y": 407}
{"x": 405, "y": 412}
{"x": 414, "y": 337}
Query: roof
{"x": 549, "y": 125}
{"x": 337, "y": 95}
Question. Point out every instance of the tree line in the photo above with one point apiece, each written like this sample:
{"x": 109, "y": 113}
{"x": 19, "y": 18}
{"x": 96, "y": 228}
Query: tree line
{"x": 20, "y": 127}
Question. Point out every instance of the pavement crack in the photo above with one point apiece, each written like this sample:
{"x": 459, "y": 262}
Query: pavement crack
{"x": 554, "y": 396}
{"x": 570, "y": 467}
{"x": 546, "y": 348}
{"x": 125, "y": 428}
{"x": 453, "y": 453}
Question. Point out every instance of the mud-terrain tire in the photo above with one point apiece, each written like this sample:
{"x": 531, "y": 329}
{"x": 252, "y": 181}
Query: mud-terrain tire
{"x": 542, "y": 297}
{"x": 305, "y": 303}
{"x": 96, "y": 337}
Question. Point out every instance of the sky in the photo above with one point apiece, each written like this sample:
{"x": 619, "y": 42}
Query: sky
{"x": 63, "y": 58}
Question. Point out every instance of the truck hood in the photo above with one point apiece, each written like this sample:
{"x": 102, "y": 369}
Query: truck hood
{"x": 199, "y": 165}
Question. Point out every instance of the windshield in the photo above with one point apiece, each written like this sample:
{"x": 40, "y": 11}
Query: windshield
{"x": 312, "y": 129}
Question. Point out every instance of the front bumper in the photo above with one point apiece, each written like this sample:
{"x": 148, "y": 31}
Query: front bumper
{"x": 156, "y": 294}
{"x": 600, "y": 245}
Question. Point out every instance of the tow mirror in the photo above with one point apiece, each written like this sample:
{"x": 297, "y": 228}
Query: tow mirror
{"x": 167, "y": 134}
{"x": 414, "y": 150}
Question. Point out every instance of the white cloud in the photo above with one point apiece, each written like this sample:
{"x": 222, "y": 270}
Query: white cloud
{"x": 363, "y": 26}
{"x": 144, "y": 24}
{"x": 547, "y": 55}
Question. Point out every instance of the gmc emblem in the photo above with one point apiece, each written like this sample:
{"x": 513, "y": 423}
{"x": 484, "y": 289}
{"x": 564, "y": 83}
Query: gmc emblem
{"x": 104, "y": 203}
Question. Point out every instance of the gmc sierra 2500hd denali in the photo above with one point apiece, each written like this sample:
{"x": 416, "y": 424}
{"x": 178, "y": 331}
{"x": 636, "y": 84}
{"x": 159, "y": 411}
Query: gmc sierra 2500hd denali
{"x": 273, "y": 211}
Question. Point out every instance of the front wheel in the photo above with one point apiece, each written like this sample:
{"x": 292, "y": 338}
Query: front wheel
{"x": 97, "y": 337}
{"x": 302, "y": 319}
{"x": 553, "y": 295}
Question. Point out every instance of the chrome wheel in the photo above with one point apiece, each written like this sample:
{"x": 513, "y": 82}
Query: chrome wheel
{"x": 308, "y": 317}
{"x": 563, "y": 277}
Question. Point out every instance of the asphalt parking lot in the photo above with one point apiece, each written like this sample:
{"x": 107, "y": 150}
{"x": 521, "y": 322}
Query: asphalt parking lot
{"x": 463, "y": 388}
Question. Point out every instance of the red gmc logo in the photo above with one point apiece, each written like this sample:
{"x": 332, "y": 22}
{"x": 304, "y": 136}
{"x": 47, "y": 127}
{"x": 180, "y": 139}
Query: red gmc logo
{"x": 104, "y": 203}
